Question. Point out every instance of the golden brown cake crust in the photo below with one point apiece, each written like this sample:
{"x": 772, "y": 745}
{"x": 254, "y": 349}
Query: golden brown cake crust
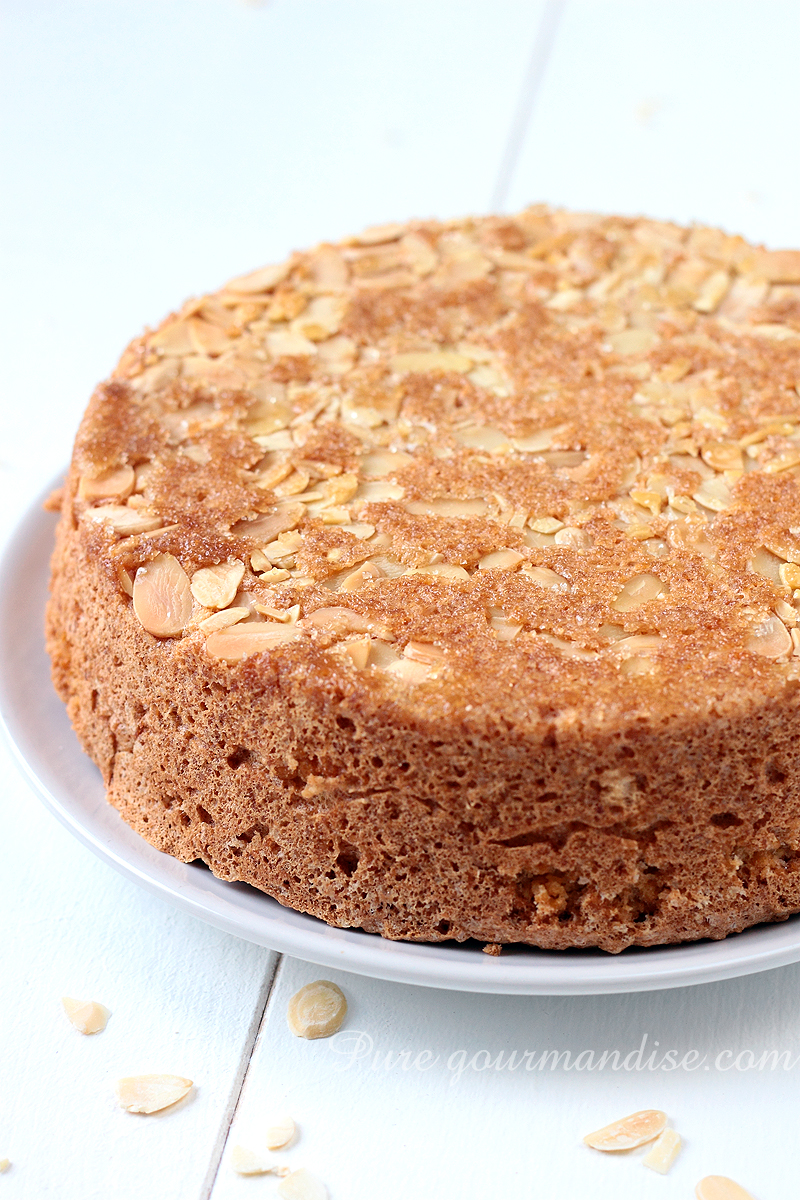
{"x": 443, "y": 584}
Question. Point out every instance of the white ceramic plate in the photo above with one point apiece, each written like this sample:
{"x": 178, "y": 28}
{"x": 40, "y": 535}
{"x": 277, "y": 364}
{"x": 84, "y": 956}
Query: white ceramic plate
{"x": 70, "y": 786}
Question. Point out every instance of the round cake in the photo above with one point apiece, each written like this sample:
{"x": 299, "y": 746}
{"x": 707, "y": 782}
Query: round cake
{"x": 444, "y": 583}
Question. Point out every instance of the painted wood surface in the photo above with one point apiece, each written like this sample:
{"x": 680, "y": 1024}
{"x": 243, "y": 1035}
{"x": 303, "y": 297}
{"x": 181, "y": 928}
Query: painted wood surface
{"x": 153, "y": 149}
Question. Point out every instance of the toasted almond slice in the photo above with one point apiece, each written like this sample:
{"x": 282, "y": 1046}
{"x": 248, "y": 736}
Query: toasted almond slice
{"x": 317, "y": 1010}
{"x": 262, "y": 280}
{"x": 215, "y": 587}
{"x": 770, "y": 639}
{"x": 86, "y": 1015}
{"x": 409, "y": 671}
{"x": 151, "y": 1093}
{"x": 356, "y": 649}
{"x": 302, "y": 1185}
{"x": 162, "y": 596}
{"x": 425, "y": 652}
{"x": 484, "y": 437}
{"x": 285, "y": 616}
{"x": 280, "y": 1133}
{"x": 362, "y": 577}
{"x": 715, "y": 494}
{"x": 546, "y": 525}
{"x": 664, "y": 1152}
{"x": 447, "y": 508}
{"x": 5, "y": 1163}
{"x": 117, "y": 485}
{"x": 422, "y": 361}
{"x": 239, "y": 641}
{"x": 500, "y": 560}
{"x": 267, "y": 528}
{"x": 719, "y": 1187}
{"x": 123, "y": 520}
{"x": 637, "y": 643}
{"x": 446, "y": 571}
{"x": 545, "y": 577}
{"x": 635, "y": 1130}
{"x": 224, "y": 619}
{"x": 247, "y": 1162}
{"x": 637, "y": 591}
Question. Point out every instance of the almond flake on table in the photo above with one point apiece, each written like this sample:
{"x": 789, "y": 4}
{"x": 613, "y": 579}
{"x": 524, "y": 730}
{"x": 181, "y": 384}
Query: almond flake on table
{"x": 317, "y": 1010}
{"x": 88, "y": 1016}
{"x": 5, "y": 1163}
{"x": 719, "y": 1187}
{"x": 248, "y": 1162}
{"x": 628, "y": 1132}
{"x": 151, "y": 1093}
{"x": 280, "y": 1133}
{"x": 663, "y": 1152}
{"x": 302, "y": 1185}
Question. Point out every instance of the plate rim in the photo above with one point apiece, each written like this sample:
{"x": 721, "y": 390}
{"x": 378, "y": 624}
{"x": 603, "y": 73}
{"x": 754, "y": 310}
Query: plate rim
{"x": 527, "y": 971}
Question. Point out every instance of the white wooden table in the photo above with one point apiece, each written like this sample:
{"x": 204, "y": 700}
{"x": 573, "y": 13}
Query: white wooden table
{"x": 151, "y": 149}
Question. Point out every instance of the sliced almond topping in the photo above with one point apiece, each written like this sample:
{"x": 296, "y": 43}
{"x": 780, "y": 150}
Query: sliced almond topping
{"x": 770, "y": 639}
{"x": 545, "y": 577}
{"x": 362, "y": 577}
{"x": 275, "y": 575}
{"x": 637, "y": 643}
{"x": 341, "y": 621}
{"x": 356, "y": 649}
{"x": 174, "y": 338}
{"x": 714, "y": 494}
{"x": 224, "y": 619}
{"x": 719, "y": 1187}
{"x": 215, "y": 587}
{"x": 248, "y": 1162}
{"x": 317, "y": 1010}
{"x": 302, "y": 1185}
{"x": 288, "y": 543}
{"x": 712, "y": 291}
{"x": 86, "y": 1015}
{"x": 766, "y": 564}
{"x": 447, "y": 508}
{"x": 5, "y": 1163}
{"x": 638, "y": 591}
{"x": 378, "y": 491}
{"x": 505, "y": 628}
{"x": 723, "y": 456}
{"x": 664, "y": 1152}
{"x": 262, "y": 280}
{"x": 440, "y": 571}
{"x": 288, "y": 343}
{"x": 425, "y": 652}
{"x": 280, "y": 1133}
{"x": 789, "y": 574}
{"x": 239, "y": 641}
{"x": 151, "y": 1093}
{"x": 359, "y": 529}
{"x": 542, "y": 440}
{"x": 295, "y": 483}
{"x": 114, "y": 485}
{"x": 632, "y": 341}
{"x": 635, "y": 1130}
{"x": 123, "y": 520}
{"x": 578, "y": 539}
{"x": 546, "y": 525}
{"x": 503, "y": 560}
{"x": 383, "y": 462}
{"x": 423, "y": 361}
{"x": 484, "y": 437}
{"x": 162, "y": 597}
{"x": 646, "y": 499}
{"x": 265, "y": 529}
{"x": 409, "y": 671}
{"x": 286, "y": 616}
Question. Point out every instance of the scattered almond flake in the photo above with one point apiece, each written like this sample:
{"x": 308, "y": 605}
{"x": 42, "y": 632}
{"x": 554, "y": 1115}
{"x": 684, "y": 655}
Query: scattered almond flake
{"x": 273, "y": 475}
{"x": 484, "y": 437}
{"x": 265, "y": 529}
{"x": 215, "y": 587}
{"x": 379, "y": 463}
{"x": 719, "y": 1187}
{"x": 248, "y": 1162}
{"x": 447, "y": 508}
{"x": 331, "y": 516}
{"x": 638, "y": 591}
{"x": 425, "y": 652}
{"x": 766, "y": 564}
{"x": 440, "y": 571}
{"x": 5, "y": 1163}
{"x": 236, "y": 642}
{"x": 664, "y": 1152}
{"x": 683, "y": 504}
{"x": 123, "y": 520}
{"x": 222, "y": 620}
{"x": 723, "y": 456}
{"x": 625, "y": 1134}
{"x": 356, "y": 649}
{"x": 789, "y": 574}
{"x": 770, "y": 639}
{"x": 151, "y": 1093}
{"x": 714, "y": 494}
{"x": 280, "y": 1133}
{"x": 409, "y": 671}
{"x": 285, "y": 615}
{"x": 207, "y": 338}
{"x": 545, "y": 577}
{"x": 288, "y": 543}
{"x": 287, "y": 343}
{"x": 712, "y": 292}
{"x": 542, "y": 440}
{"x": 362, "y": 577}
{"x": 360, "y": 529}
{"x": 162, "y": 597}
{"x": 572, "y": 536}
{"x": 86, "y": 1015}
{"x": 297, "y": 482}
{"x": 423, "y": 361}
{"x": 302, "y": 1185}
{"x": 546, "y": 525}
{"x": 782, "y": 462}
{"x": 318, "y": 1010}
{"x": 646, "y": 499}
{"x": 117, "y": 484}
{"x": 379, "y": 491}
{"x": 503, "y": 560}
{"x": 632, "y": 341}
{"x": 275, "y": 575}
{"x": 262, "y": 280}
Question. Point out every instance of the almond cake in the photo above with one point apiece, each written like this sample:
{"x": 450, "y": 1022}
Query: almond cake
{"x": 444, "y": 582}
